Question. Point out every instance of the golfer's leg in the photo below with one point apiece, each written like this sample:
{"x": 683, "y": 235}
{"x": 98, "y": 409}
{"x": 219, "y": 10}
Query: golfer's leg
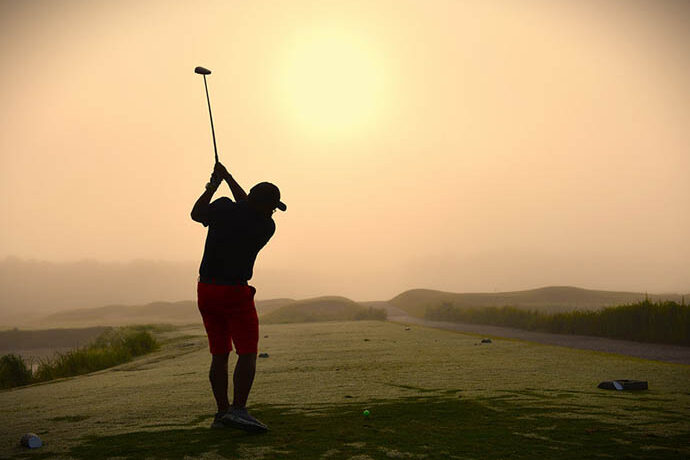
{"x": 218, "y": 375}
{"x": 243, "y": 378}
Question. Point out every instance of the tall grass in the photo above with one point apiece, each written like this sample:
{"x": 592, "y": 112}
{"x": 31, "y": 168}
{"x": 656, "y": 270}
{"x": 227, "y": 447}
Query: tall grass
{"x": 112, "y": 347}
{"x": 13, "y": 371}
{"x": 658, "y": 322}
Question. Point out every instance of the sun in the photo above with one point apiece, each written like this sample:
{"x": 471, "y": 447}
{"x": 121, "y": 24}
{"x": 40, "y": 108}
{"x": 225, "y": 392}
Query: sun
{"x": 332, "y": 84}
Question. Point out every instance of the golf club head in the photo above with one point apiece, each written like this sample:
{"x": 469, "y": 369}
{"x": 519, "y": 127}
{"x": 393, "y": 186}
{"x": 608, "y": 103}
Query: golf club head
{"x": 202, "y": 71}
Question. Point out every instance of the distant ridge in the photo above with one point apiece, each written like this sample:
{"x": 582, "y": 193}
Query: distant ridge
{"x": 169, "y": 312}
{"x": 331, "y": 308}
{"x": 336, "y": 308}
{"x": 551, "y": 299}
{"x": 183, "y": 312}
{"x": 328, "y": 308}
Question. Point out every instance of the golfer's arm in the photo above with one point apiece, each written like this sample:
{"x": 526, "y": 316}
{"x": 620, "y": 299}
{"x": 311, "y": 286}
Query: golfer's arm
{"x": 235, "y": 188}
{"x": 200, "y": 209}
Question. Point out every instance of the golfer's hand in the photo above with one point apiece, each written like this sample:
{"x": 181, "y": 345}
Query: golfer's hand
{"x": 220, "y": 171}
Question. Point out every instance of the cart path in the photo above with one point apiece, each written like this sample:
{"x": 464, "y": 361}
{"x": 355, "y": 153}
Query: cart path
{"x": 654, "y": 351}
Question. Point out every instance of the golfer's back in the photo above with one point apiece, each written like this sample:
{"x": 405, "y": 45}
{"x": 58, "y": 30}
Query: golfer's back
{"x": 236, "y": 234}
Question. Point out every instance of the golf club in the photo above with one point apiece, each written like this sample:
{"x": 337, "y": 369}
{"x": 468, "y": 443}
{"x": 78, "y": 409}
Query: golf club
{"x": 204, "y": 71}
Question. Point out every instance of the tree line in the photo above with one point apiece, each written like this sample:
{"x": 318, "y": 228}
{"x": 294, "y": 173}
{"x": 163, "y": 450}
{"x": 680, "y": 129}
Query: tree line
{"x": 656, "y": 322}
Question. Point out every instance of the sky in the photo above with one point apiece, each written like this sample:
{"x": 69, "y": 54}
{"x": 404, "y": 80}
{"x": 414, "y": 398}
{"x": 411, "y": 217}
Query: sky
{"x": 455, "y": 145}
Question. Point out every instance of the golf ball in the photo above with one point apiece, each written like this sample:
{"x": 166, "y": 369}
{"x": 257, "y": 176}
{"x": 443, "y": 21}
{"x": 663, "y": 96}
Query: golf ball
{"x": 366, "y": 412}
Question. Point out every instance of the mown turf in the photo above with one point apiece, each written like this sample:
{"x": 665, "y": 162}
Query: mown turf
{"x": 434, "y": 427}
{"x": 431, "y": 393}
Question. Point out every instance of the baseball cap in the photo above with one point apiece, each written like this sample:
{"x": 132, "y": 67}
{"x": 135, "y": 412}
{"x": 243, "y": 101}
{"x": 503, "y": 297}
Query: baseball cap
{"x": 268, "y": 193}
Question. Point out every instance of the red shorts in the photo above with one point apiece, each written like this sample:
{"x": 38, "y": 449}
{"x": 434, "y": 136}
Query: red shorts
{"x": 229, "y": 316}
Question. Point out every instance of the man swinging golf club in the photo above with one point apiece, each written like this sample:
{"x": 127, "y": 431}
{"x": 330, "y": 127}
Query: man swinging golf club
{"x": 236, "y": 233}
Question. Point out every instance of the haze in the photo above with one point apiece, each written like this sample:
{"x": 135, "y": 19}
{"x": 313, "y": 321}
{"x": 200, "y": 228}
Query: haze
{"x": 462, "y": 146}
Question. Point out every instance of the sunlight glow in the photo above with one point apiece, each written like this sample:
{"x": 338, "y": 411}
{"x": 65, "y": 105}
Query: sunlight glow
{"x": 333, "y": 84}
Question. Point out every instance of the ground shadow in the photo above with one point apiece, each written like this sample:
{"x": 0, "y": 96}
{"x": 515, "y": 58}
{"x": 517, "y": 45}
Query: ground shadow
{"x": 422, "y": 427}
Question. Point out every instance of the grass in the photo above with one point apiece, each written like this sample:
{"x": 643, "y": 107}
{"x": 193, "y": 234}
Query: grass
{"x": 656, "y": 322}
{"x": 112, "y": 347}
{"x": 552, "y": 299}
{"x": 431, "y": 393}
{"x": 413, "y": 427}
{"x": 13, "y": 371}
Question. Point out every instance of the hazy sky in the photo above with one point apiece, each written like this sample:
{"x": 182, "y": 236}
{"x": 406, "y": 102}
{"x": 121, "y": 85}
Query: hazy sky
{"x": 460, "y": 145}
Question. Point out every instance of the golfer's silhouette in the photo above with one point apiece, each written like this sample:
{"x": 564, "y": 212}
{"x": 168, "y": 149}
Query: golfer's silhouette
{"x": 236, "y": 233}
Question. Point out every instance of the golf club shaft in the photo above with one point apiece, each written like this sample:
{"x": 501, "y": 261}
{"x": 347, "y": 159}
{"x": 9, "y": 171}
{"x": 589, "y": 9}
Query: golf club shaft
{"x": 213, "y": 131}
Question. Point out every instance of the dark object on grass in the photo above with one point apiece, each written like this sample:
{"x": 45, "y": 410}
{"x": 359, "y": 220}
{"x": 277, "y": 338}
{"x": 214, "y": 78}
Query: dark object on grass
{"x": 263, "y": 355}
{"x": 624, "y": 384}
{"x": 31, "y": 441}
{"x": 407, "y": 328}
{"x": 265, "y": 337}
{"x": 486, "y": 340}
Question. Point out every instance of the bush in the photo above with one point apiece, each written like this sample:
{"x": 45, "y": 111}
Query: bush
{"x": 112, "y": 347}
{"x": 13, "y": 371}
{"x": 80, "y": 361}
{"x": 661, "y": 322}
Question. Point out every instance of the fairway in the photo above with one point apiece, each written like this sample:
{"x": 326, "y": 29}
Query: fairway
{"x": 431, "y": 394}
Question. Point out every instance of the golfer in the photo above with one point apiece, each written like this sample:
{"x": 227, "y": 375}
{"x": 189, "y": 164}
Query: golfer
{"x": 236, "y": 233}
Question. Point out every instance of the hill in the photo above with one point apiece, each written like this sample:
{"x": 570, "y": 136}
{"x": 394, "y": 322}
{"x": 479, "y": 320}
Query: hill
{"x": 264, "y": 307}
{"x": 551, "y": 299}
{"x": 116, "y": 315}
{"x": 321, "y": 309}
{"x": 414, "y": 302}
{"x": 86, "y": 283}
{"x": 183, "y": 312}
{"x": 32, "y": 289}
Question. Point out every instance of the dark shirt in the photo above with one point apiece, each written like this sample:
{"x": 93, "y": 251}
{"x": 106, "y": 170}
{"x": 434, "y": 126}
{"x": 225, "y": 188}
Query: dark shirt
{"x": 236, "y": 233}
